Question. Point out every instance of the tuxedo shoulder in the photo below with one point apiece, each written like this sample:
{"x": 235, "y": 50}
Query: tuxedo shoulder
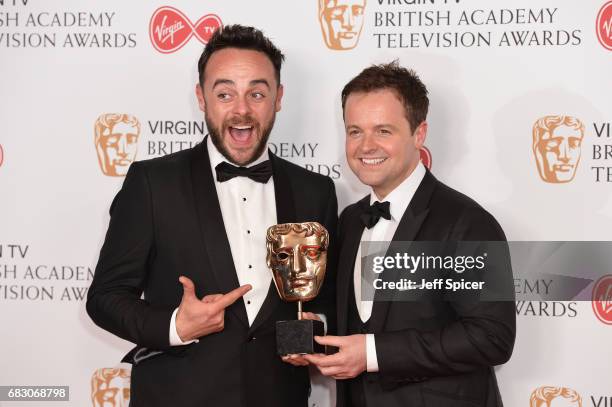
{"x": 454, "y": 207}
{"x": 169, "y": 160}
{"x": 455, "y": 203}
{"x": 166, "y": 165}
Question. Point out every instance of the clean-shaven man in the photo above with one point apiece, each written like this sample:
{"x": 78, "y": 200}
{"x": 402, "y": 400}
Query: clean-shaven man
{"x": 426, "y": 353}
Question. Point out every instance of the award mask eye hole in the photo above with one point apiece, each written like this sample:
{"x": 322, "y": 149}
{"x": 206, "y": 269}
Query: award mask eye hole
{"x": 282, "y": 256}
{"x": 312, "y": 253}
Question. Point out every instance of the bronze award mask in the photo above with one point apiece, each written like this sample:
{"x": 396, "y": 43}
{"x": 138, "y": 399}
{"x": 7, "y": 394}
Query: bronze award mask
{"x": 297, "y": 257}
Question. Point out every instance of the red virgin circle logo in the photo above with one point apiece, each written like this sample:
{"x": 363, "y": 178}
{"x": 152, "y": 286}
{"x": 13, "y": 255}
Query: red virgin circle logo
{"x": 602, "y": 299}
{"x": 604, "y": 26}
{"x": 1, "y": 156}
{"x": 170, "y": 29}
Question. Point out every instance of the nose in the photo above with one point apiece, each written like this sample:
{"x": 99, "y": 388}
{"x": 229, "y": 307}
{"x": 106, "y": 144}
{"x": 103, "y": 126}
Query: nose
{"x": 348, "y": 19}
{"x": 122, "y": 146}
{"x": 368, "y": 144}
{"x": 564, "y": 151}
{"x": 241, "y": 106}
{"x": 296, "y": 265}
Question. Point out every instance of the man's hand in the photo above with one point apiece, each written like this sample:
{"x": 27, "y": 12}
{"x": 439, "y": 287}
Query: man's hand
{"x": 298, "y": 360}
{"x": 196, "y": 318}
{"x": 349, "y": 362}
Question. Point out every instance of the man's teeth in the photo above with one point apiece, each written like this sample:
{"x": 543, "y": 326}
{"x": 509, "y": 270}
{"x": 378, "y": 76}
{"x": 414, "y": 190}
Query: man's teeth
{"x": 372, "y": 161}
{"x": 242, "y": 127}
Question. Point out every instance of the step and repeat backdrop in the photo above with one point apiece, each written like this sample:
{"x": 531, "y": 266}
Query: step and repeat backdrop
{"x": 502, "y": 75}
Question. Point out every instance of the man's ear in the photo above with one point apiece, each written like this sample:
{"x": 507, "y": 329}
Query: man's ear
{"x": 279, "y": 97}
{"x": 420, "y": 134}
{"x": 200, "y": 96}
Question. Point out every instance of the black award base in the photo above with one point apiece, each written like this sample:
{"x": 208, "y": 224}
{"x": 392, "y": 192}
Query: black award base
{"x": 297, "y": 337}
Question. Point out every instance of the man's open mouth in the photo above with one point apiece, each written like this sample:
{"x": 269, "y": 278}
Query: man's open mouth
{"x": 241, "y": 134}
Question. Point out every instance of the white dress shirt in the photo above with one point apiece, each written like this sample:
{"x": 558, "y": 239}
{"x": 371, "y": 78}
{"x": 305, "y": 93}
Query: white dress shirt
{"x": 248, "y": 209}
{"x": 383, "y": 231}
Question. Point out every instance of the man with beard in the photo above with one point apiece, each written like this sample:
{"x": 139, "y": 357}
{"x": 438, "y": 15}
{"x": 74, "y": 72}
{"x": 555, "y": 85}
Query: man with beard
{"x": 200, "y": 216}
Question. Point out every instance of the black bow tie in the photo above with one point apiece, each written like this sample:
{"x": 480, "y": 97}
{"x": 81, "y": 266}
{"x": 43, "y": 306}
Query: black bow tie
{"x": 371, "y": 214}
{"x": 258, "y": 173}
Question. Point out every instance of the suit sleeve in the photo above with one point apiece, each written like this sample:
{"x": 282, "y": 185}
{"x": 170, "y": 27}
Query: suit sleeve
{"x": 114, "y": 298}
{"x": 480, "y": 335}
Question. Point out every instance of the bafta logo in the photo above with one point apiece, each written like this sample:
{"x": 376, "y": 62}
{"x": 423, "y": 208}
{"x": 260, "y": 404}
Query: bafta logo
{"x": 116, "y": 140}
{"x": 557, "y": 142}
{"x": 110, "y": 387}
{"x": 549, "y": 396}
{"x": 341, "y": 22}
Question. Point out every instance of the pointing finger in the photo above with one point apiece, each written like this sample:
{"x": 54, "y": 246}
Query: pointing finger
{"x": 211, "y": 298}
{"x": 231, "y": 297}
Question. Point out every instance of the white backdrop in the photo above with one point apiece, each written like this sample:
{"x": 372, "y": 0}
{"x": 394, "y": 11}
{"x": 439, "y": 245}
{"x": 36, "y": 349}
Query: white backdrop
{"x": 485, "y": 98}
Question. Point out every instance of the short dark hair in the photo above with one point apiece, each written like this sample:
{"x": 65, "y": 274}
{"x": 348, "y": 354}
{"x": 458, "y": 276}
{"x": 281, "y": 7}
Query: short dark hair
{"x": 405, "y": 82}
{"x": 242, "y": 37}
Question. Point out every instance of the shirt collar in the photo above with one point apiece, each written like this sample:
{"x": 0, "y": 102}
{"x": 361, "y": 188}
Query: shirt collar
{"x": 400, "y": 197}
{"x": 217, "y": 158}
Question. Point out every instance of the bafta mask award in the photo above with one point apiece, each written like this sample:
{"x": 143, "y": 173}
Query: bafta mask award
{"x": 297, "y": 257}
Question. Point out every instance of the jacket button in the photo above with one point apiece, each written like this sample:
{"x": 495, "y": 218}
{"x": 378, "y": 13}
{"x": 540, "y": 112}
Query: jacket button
{"x": 251, "y": 338}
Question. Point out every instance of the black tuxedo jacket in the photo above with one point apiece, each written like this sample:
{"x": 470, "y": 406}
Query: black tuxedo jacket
{"x": 165, "y": 222}
{"x": 430, "y": 354}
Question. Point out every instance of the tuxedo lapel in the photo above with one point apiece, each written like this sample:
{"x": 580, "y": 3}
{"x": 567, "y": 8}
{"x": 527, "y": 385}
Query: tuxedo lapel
{"x": 285, "y": 213}
{"x": 351, "y": 237}
{"x": 406, "y": 231}
{"x": 212, "y": 228}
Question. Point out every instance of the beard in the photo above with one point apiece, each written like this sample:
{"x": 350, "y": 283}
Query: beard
{"x": 216, "y": 135}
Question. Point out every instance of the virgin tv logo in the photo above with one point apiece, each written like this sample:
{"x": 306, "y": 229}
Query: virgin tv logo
{"x": 602, "y": 299}
{"x": 170, "y": 29}
{"x": 604, "y": 26}
{"x": 1, "y": 155}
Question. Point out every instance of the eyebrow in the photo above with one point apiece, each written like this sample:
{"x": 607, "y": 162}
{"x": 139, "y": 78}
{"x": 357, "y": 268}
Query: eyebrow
{"x": 377, "y": 127}
{"x": 260, "y": 81}
{"x": 231, "y": 82}
{"x": 387, "y": 125}
{"x": 222, "y": 82}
